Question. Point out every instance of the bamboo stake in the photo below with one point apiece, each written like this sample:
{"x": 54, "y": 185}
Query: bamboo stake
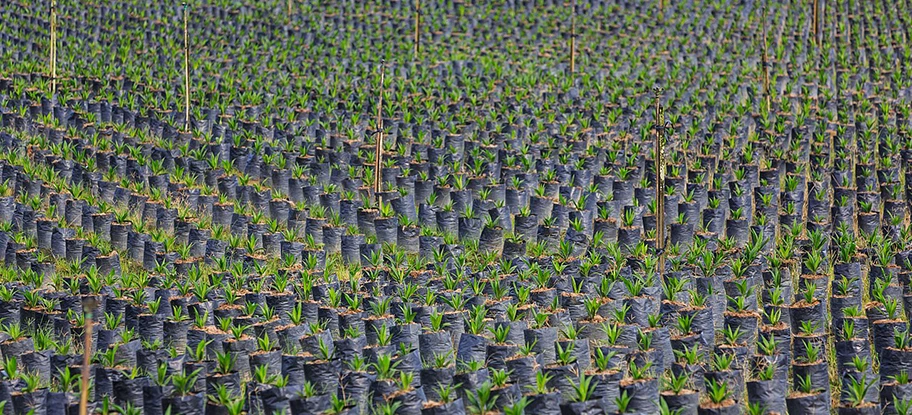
{"x": 660, "y": 183}
{"x": 572, "y": 36}
{"x": 417, "y": 26}
{"x": 53, "y": 47}
{"x": 88, "y": 307}
{"x": 186, "y": 69}
{"x": 289, "y": 3}
{"x": 378, "y": 155}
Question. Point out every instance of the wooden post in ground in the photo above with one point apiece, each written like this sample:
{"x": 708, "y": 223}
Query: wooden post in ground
{"x": 186, "y": 69}
{"x": 88, "y": 308}
{"x": 816, "y": 22}
{"x": 660, "y": 182}
{"x": 417, "y": 27}
{"x": 572, "y": 36}
{"x": 53, "y": 58}
{"x": 766, "y": 75}
{"x": 378, "y": 155}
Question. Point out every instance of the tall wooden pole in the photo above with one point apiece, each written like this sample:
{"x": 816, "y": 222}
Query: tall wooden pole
{"x": 88, "y": 307}
{"x": 572, "y": 36}
{"x": 766, "y": 75}
{"x": 53, "y": 47}
{"x": 660, "y": 182}
{"x": 816, "y": 23}
{"x": 417, "y": 27}
{"x": 186, "y": 69}
{"x": 378, "y": 155}
{"x": 823, "y": 18}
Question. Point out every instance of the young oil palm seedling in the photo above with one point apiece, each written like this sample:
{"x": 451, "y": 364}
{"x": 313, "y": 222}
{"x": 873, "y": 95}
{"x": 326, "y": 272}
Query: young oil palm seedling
{"x": 190, "y": 212}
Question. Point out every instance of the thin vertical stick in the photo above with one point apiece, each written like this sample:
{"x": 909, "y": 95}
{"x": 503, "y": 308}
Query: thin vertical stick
{"x": 660, "y": 183}
{"x": 417, "y": 27}
{"x": 186, "y": 69}
{"x": 848, "y": 27}
{"x": 780, "y": 28}
{"x": 766, "y": 75}
{"x": 88, "y": 307}
{"x": 661, "y": 9}
{"x": 289, "y": 7}
{"x": 816, "y": 24}
{"x": 378, "y": 156}
{"x": 572, "y": 36}
{"x": 823, "y": 18}
{"x": 53, "y": 47}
